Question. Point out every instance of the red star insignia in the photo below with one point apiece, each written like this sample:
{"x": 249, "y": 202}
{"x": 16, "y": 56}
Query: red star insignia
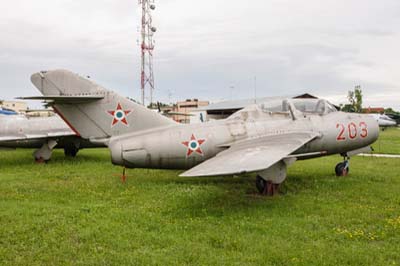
{"x": 194, "y": 145}
{"x": 119, "y": 115}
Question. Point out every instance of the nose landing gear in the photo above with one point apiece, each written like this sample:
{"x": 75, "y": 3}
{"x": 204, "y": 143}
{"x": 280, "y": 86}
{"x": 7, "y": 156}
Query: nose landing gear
{"x": 343, "y": 169}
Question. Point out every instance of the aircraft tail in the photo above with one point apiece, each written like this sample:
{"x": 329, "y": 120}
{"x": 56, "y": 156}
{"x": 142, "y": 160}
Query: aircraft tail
{"x": 90, "y": 110}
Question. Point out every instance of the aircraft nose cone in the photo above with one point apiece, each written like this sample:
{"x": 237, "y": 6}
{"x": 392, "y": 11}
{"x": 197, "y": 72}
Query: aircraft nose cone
{"x": 373, "y": 128}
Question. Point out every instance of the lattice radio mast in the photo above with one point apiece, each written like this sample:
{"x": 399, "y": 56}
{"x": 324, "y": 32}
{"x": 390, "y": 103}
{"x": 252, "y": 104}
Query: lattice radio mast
{"x": 147, "y": 47}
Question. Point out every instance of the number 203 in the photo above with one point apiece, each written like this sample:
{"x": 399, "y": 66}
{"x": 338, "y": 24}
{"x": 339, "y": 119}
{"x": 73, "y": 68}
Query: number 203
{"x": 352, "y": 131}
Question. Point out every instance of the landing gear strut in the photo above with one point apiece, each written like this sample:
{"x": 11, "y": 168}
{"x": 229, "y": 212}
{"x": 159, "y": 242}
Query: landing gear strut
{"x": 123, "y": 177}
{"x": 43, "y": 154}
{"x": 269, "y": 180}
{"x": 343, "y": 169}
{"x": 266, "y": 187}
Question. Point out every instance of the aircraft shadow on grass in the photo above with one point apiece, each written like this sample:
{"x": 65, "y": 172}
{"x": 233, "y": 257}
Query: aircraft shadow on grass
{"x": 229, "y": 196}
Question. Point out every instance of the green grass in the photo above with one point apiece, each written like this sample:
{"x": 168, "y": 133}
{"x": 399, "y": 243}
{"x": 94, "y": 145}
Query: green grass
{"x": 388, "y": 141}
{"x": 77, "y": 212}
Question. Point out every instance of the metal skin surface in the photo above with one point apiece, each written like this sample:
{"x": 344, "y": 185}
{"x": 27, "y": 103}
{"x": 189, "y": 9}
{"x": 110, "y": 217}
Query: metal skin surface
{"x": 19, "y": 131}
{"x": 162, "y": 147}
{"x": 251, "y": 140}
{"x": 384, "y": 120}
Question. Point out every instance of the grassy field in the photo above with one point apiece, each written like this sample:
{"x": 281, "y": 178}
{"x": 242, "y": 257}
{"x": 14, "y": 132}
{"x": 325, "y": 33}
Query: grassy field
{"x": 388, "y": 142}
{"x": 77, "y": 212}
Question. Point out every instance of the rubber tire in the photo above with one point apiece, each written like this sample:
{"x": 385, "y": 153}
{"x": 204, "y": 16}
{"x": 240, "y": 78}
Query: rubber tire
{"x": 71, "y": 151}
{"x": 40, "y": 160}
{"x": 340, "y": 169}
{"x": 260, "y": 184}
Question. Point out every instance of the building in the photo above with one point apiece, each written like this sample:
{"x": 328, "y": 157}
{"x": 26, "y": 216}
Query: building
{"x": 22, "y": 108}
{"x": 182, "y": 110}
{"x": 40, "y": 112}
{"x": 374, "y": 110}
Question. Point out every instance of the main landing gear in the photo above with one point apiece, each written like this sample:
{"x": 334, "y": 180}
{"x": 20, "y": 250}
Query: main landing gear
{"x": 71, "y": 150}
{"x": 266, "y": 187}
{"x": 43, "y": 154}
{"x": 269, "y": 180}
{"x": 343, "y": 168}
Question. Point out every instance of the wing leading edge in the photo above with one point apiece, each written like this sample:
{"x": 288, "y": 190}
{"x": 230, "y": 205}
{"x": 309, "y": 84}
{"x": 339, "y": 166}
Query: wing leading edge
{"x": 252, "y": 155}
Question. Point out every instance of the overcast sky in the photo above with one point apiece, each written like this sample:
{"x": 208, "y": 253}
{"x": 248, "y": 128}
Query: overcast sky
{"x": 210, "y": 49}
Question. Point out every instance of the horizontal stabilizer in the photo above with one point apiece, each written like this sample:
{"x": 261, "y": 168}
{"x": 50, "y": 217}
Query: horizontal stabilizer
{"x": 65, "y": 99}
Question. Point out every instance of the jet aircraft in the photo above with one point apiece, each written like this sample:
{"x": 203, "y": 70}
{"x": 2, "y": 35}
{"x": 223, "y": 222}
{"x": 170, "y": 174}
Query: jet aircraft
{"x": 41, "y": 133}
{"x": 253, "y": 140}
{"x": 384, "y": 120}
{"x": 7, "y": 112}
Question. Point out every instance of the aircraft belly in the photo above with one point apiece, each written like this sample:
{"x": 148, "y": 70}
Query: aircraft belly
{"x": 178, "y": 162}
{"x": 26, "y": 144}
{"x": 172, "y": 154}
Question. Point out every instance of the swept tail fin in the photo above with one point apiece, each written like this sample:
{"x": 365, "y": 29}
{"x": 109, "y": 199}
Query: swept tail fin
{"x": 92, "y": 111}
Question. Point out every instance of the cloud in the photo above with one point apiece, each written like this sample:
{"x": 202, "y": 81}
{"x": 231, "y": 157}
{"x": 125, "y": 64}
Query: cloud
{"x": 203, "y": 48}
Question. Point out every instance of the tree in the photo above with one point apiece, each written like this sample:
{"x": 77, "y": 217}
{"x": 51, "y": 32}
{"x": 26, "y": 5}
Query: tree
{"x": 391, "y": 111}
{"x": 355, "y": 99}
{"x": 348, "y": 108}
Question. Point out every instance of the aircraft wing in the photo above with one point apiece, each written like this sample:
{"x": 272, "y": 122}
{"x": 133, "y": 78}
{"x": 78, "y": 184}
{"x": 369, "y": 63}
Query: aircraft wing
{"x": 36, "y": 136}
{"x": 252, "y": 155}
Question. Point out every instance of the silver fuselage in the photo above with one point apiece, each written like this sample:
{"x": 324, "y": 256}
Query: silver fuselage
{"x": 165, "y": 147}
{"x": 28, "y": 132}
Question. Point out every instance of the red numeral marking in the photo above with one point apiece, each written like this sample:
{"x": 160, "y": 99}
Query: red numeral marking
{"x": 352, "y": 130}
{"x": 364, "y": 130}
{"x": 341, "y": 133}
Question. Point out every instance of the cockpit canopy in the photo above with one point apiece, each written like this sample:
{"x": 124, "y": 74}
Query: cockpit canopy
{"x": 306, "y": 106}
